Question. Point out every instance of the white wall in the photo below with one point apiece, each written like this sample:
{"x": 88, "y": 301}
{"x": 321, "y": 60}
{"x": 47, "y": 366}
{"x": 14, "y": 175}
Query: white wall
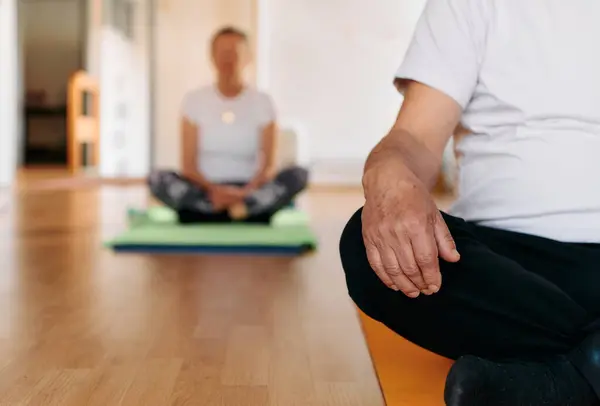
{"x": 125, "y": 102}
{"x": 331, "y": 65}
{"x": 8, "y": 91}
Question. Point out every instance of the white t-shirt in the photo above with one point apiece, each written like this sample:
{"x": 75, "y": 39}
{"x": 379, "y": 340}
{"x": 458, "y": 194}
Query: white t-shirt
{"x": 527, "y": 74}
{"x": 230, "y": 131}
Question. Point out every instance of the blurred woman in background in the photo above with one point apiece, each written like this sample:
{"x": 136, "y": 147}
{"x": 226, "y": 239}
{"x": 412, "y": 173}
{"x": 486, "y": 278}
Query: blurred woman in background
{"x": 229, "y": 136}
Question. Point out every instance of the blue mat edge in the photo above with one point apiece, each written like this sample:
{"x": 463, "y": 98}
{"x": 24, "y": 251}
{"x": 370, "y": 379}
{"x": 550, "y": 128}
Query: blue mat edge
{"x": 196, "y": 249}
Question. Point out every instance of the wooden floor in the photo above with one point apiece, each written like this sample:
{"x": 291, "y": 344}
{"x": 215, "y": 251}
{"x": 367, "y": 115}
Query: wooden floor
{"x": 80, "y": 325}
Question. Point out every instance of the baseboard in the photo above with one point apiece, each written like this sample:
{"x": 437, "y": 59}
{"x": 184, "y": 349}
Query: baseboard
{"x": 347, "y": 175}
{"x": 337, "y": 172}
{"x": 123, "y": 181}
{"x": 337, "y": 188}
{"x": 330, "y": 175}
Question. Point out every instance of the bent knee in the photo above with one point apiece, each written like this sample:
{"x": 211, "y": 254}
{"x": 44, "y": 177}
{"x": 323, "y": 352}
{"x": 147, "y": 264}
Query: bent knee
{"x": 360, "y": 277}
{"x": 157, "y": 179}
{"x": 351, "y": 240}
{"x": 295, "y": 176}
{"x": 157, "y": 175}
{"x": 153, "y": 179}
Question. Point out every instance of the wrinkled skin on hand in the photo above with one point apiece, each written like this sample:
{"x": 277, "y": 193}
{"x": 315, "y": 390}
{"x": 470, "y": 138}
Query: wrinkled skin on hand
{"x": 405, "y": 234}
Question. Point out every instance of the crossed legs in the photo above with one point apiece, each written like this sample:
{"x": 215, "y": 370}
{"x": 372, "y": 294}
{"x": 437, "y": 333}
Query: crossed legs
{"x": 191, "y": 201}
{"x": 511, "y": 298}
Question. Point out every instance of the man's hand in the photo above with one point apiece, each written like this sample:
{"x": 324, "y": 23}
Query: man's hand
{"x": 404, "y": 232}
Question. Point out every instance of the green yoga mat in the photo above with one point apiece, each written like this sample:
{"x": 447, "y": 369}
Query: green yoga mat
{"x": 157, "y": 230}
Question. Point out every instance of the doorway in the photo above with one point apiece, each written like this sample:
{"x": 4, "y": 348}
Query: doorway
{"x": 110, "y": 41}
{"x": 53, "y": 46}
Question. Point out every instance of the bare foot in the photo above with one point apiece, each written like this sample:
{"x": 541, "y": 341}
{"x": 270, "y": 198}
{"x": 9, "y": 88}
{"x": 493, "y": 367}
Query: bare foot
{"x": 238, "y": 211}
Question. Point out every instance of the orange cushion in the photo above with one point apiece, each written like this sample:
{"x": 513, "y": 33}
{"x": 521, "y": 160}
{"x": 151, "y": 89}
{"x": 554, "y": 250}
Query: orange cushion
{"x": 408, "y": 375}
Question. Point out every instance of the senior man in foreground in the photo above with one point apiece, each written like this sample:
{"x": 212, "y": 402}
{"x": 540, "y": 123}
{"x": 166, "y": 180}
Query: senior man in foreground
{"x": 507, "y": 283}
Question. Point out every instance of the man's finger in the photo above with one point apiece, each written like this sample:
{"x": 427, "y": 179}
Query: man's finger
{"x": 377, "y": 265}
{"x": 408, "y": 265}
{"x": 390, "y": 264}
{"x": 393, "y": 270}
{"x": 406, "y": 286}
{"x": 445, "y": 242}
{"x": 426, "y": 256}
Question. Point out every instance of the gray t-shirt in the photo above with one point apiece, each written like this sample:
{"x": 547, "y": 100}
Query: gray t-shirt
{"x": 229, "y": 130}
{"x": 527, "y": 74}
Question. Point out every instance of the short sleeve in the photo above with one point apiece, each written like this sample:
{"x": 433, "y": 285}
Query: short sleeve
{"x": 447, "y": 48}
{"x": 189, "y": 107}
{"x": 267, "y": 111}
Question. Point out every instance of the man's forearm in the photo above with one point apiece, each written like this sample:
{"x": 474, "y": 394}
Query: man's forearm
{"x": 407, "y": 153}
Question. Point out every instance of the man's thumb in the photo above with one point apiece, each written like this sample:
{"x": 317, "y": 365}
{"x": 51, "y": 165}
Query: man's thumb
{"x": 446, "y": 245}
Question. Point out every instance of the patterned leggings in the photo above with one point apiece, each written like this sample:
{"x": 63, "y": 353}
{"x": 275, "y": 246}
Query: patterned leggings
{"x": 193, "y": 203}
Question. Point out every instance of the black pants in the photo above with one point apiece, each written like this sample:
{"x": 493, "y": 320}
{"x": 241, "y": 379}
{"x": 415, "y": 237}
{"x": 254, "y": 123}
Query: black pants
{"x": 193, "y": 203}
{"x": 511, "y": 296}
